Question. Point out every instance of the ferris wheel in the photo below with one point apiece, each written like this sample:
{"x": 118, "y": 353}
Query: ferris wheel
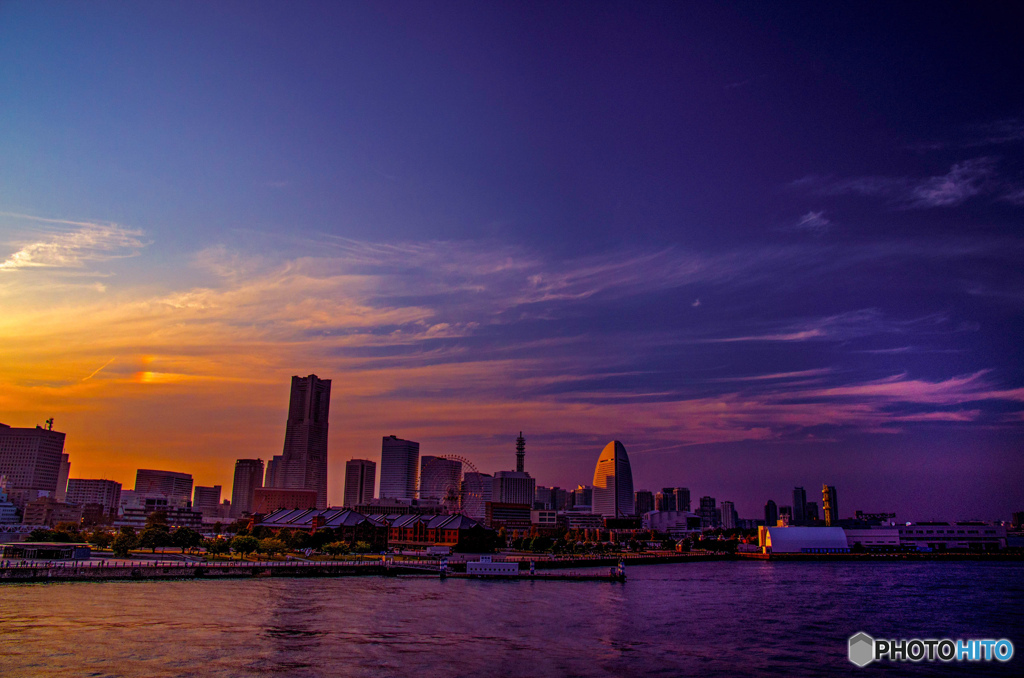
{"x": 456, "y": 483}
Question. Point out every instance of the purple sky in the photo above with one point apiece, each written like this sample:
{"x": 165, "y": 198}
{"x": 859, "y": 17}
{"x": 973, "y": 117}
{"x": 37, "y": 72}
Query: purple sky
{"x": 763, "y": 244}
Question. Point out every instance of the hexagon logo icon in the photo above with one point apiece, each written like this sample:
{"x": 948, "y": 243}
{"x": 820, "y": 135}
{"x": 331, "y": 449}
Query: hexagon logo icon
{"x": 862, "y": 649}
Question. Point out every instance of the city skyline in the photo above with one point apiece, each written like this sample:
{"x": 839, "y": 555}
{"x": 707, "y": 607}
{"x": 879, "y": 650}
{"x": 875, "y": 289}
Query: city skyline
{"x": 764, "y": 246}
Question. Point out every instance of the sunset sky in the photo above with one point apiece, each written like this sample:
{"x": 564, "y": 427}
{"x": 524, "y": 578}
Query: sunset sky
{"x": 762, "y": 244}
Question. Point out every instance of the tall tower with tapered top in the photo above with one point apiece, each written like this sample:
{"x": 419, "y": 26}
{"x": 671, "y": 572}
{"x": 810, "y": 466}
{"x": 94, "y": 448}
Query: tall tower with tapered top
{"x": 520, "y": 452}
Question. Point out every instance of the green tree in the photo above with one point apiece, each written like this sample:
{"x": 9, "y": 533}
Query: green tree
{"x": 41, "y": 534}
{"x": 154, "y": 537}
{"x": 362, "y": 547}
{"x": 271, "y": 546}
{"x": 298, "y": 540}
{"x": 215, "y": 547}
{"x": 101, "y": 538}
{"x": 336, "y": 548}
{"x": 157, "y": 519}
{"x": 124, "y": 542}
{"x": 186, "y": 538}
{"x": 245, "y": 544}
{"x": 218, "y": 527}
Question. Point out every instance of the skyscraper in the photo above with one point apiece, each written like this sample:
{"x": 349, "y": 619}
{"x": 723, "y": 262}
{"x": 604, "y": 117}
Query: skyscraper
{"x": 729, "y": 518}
{"x": 360, "y": 480}
{"x": 303, "y": 463}
{"x": 106, "y": 493}
{"x": 62, "y": 478}
{"x": 613, "y": 483}
{"x": 665, "y": 500}
{"x": 799, "y": 509}
{"x": 399, "y": 460}
{"x": 829, "y": 505}
{"x": 30, "y": 458}
{"x": 682, "y": 499}
{"x": 248, "y": 477}
{"x": 708, "y": 513}
{"x": 643, "y": 501}
{"x": 206, "y": 500}
{"x": 771, "y": 514}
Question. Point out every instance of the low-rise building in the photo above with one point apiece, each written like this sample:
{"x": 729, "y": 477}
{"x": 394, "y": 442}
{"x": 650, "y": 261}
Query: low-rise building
{"x": 675, "y": 523}
{"x": 49, "y": 512}
{"x": 802, "y": 540}
{"x": 940, "y": 536}
{"x": 874, "y": 538}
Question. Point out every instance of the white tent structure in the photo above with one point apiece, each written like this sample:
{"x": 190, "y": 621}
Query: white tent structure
{"x": 803, "y": 540}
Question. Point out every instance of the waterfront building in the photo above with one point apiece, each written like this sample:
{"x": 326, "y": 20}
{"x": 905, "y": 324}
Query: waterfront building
{"x": 799, "y": 516}
{"x": 360, "y": 479}
{"x": 62, "y": 478}
{"x": 643, "y": 501}
{"x": 422, "y": 531}
{"x": 348, "y": 526}
{"x": 248, "y": 478}
{"x": 942, "y": 536}
{"x": 269, "y": 499}
{"x": 708, "y": 513}
{"x": 613, "y": 483}
{"x": 302, "y": 465}
{"x": 729, "y": 518}
{"x": 829, "y": 505}
{"x": 173, "y": 486}
{"x": 439, "y": 477}
{"x": 206, "y": 500}
{"x": 399, "y": 460}
{"x": 86, "y": 491}
{"x": 802, "y": 540}
{"x": 874, "y": 538}
{"x": 8, "y": 511}
{"x": 580, "y": 520}
{"x": 771, "y": 514}
{"x": 30, "y": 458}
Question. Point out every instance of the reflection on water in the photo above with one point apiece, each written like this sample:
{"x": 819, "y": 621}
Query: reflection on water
{"x": 707, "y": 619}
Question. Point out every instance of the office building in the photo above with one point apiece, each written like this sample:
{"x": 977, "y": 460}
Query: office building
{"x": 811, "y": 512}
{"x": 785, "y": 516}
{"x": 643, "y": 501}
{"x": 513, "y": 487}
{"x": 771, "y": 514}
{"x": 62, "y": 478}
{"x": 665, "y": 500}
{"x": 302, "y": 465}
{"x": 439, "y": 477}
{"x": 248, "y": 478}
{"x": 613, "y": 483}
{"x": 559, "y": 499}
{"x": 360, "y": 481}
{"x": 799, "y": 506}
{"x": 399, "y": 463}
{"x": 682, "y": 498}
{"x": 708, "y": 513}
{"x": 583, "y": 497}
{"x": 828, "y": 505}
{"x": 175, "y": 487}
{"x": 30, "y": 459}
{"x": 49, "y": 512}
{"x": 85, "y": 491}
{"x": 206, "y": 500}
{"x": 730, "y": 521}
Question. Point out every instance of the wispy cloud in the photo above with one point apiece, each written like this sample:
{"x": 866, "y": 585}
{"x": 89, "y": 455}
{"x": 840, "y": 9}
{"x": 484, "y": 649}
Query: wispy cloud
{"x": 964, "y": 180}
{"x": 90, "y": 242}
{"x": 815, "y": 222}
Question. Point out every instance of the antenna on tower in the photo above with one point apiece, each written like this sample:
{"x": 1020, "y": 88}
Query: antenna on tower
{"x": 49, "y": 424}
{"x": 520, "y": 452}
